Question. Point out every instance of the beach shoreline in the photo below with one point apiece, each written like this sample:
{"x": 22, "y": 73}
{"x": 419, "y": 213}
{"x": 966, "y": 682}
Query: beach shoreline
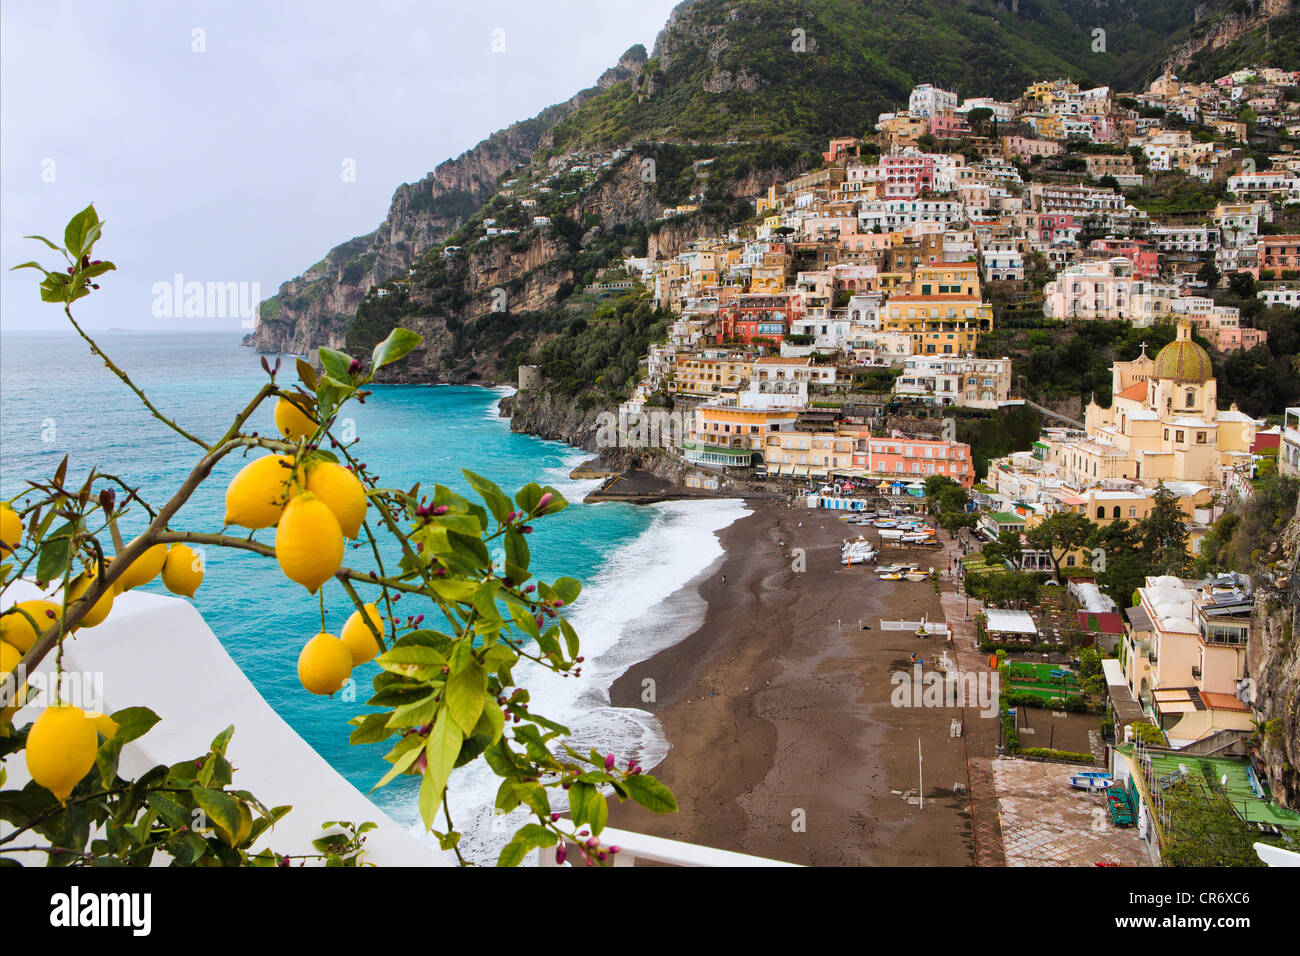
{"x": 782, "y": 739}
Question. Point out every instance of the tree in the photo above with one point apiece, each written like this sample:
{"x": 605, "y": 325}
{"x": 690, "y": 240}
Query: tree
{"x": 1123, "y": 564}
{"x": 443, "y": 697}
{"x": 1164, "y": 534}
{"x": 1203, "y": 829}
{"x": 1060, "y": 534}
{"x": 1006, "y": 548}
{"x": 1208, "y": 274}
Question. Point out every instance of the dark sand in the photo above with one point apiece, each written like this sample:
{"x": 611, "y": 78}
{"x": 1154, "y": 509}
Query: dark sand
{"x": 777, "y": 710}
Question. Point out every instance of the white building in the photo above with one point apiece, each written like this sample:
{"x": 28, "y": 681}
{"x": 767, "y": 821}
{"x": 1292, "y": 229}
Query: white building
{"x": 927, "y": 101}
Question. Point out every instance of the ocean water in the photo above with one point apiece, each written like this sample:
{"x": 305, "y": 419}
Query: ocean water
{"x": 57, "y": 399}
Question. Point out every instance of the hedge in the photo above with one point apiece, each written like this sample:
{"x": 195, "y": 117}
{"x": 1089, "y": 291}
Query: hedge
{"x": 1047, "y": 753}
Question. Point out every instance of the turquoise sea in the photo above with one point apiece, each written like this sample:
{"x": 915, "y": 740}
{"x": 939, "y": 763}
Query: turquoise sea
{"x": 57, "y": 399}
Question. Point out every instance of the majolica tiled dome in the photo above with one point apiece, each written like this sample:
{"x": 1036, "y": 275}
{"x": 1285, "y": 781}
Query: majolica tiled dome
{"x": 1183, "y": 361}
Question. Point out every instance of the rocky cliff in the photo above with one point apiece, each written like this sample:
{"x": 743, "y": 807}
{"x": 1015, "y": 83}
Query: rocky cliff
{"x": 1220, "y": 26}
{"x": 1274, "y": 660}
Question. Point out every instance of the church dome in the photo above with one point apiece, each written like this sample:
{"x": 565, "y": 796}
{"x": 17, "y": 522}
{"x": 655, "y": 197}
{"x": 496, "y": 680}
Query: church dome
{"x": 1183, "y": 360}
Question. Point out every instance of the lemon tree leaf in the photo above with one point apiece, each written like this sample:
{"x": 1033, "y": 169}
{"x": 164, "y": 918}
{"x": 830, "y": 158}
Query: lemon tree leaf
{"x": 220, "y": 808}
{"x": 335, "y": 364}
{"x": 81, "y": 232}
{"x": 397, "y": 346}
{"x": 465, "y": 689}
{"x": 441, "y": 750}
{"x": 650, "y": 793}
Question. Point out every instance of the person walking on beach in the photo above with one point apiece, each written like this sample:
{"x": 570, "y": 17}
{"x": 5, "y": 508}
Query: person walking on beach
{"x": 724, "y": 579}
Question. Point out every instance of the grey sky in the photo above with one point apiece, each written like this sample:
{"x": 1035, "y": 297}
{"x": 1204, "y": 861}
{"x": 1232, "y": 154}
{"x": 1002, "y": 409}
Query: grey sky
{"x": 227, "y": 164}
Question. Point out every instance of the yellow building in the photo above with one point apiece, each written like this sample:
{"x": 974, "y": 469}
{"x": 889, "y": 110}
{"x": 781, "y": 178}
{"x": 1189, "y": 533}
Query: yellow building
{"x": 698, "y": 375}
{"x": 727, "y": 435}
{"x": 1162, "y": 425}
{"x": 947, "y": 278}
{"x": 938, "y": 324}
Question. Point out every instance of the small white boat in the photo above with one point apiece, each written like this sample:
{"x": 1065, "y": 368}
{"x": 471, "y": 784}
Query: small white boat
{"x": 860, "y": 551}
{"x": 916, "y": 575}
{"x": 1092, "y": 781}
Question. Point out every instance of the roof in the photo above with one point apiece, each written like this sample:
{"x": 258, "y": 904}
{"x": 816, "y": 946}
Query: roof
{"x": 1216, "y": 701}
{"x": 1010, "y": 622}
{"x": 1183, "y": 361}
{"x": 1137, "y": 392}
{"x": 1100, "y": 622}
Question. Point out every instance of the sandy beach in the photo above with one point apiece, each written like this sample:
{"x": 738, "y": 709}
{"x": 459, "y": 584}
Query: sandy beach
{"x": 783, "y": 740}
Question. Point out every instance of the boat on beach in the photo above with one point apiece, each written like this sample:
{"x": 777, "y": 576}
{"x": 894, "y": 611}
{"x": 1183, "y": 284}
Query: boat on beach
{"x": 860, "y": 551}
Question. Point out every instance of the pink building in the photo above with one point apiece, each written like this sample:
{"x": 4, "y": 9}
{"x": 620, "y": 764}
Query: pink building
{"x": 948, "y": 125}
{"x": 908, "y": 174}
{"x": 1145, "y": 259}
{"x": 910, "y": 459}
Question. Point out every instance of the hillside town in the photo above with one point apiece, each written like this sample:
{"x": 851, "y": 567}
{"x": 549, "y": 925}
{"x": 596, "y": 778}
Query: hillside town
{"x": 867, "y": 284}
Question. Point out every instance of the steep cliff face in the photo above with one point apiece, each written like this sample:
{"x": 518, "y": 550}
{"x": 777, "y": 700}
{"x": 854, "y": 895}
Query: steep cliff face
{"x": 1274, "y": 658}
{"x": 314, "y": 309}
{"x": 1220, "y": 26}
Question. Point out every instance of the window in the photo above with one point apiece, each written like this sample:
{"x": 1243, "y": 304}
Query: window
{"x": 1101, "y": 512}
{"x": 1178, "y": 436}
{"x": 1115, "y": 513}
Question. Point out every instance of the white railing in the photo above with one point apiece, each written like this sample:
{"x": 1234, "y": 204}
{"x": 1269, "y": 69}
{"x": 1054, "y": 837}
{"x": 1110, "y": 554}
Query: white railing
{"x": 652, "y": 849}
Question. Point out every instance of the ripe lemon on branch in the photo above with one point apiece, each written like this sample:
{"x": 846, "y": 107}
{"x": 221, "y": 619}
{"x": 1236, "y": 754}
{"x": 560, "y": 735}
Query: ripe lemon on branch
{"x": 98, "y": 612}
{"x": 143, "y": 569}
{"x": 9, "y": 658}
{"x": 325, "y": 664}
{"x": 309, "y": 542}
{"x": 182, "y": 572}
{"x": 11, "y": 529}
{"x": 257, "y": 495}
{"x": 342, "y": 492}
{"x": 15, "y": 629}
{"x": 292, "y": 422}
{"x": 61, "y": 749}
{"x": 361, "y": 643}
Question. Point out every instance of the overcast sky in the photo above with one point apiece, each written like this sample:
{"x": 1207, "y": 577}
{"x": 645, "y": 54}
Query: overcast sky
{"x": 215, "y": 138}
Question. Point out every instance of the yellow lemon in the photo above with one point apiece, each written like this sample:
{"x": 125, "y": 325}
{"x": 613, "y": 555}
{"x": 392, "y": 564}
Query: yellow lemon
{"x": 99, "y": 611}
{"x": 9, "y": 658}
{"x": 292, "y": 422}
{"x": 325, "y": 664}
{"x": 11, "y": 529}
{"x": 257, "y": 495}
{"x": 18, "y": 631}
{"x": 182, "y": 572}
{"x": 341, "y": 491}
{"x": 308, "y": 542}
{"x": 242, "y": 831}
{"x": 104, "y": 724}
{"x": 61, "y": 749}
{"x": 360, "y": 641}
{"x": 143, "y": 569}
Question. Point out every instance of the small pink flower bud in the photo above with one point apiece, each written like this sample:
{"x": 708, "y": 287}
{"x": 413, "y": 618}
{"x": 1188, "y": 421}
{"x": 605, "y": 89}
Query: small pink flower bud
{"x": 609, "y": 761}
{"x": 560, "y": 853}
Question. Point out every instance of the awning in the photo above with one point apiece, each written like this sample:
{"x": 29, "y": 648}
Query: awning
{"x": 1010, "y": 622}
{"x": 801, "y": 471}
{"x": 818, "y": 472}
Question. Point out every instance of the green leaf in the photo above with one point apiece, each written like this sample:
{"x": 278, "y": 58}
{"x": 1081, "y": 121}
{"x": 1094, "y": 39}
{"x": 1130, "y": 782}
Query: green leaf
{"x": 516, "y": 551}
{"x": 46, "y": 241}
{"x": 372, "y": 729}
{"x": 412, "y": 654}
{"x": 442, "y": 749}
{"x": 220, "y": 808}
{"x": 567, "y": 589}
{"x": 415, "y": 714}
{"x": 493, "y": 496}
{"x": 175, "y": 815}
{"x": 465, "y": 690}
{"x": 336, "y": 365}
{"x": 528, "y": 838}
{"x": 650, "y": 793}
{"x": 81, "y": 232}
{"x": 580, "y": 799}
{"x": 597, "y": 811}
{"x": 398, "y": 344}
{"x": 409, "y": 748}
{"x": 492, "y": 722}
